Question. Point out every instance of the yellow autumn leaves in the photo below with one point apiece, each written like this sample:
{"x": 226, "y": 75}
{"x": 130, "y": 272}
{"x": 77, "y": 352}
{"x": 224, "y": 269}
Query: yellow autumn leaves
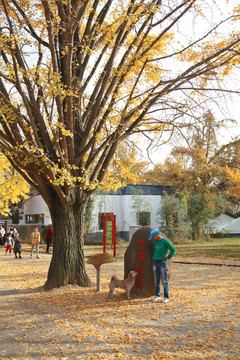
{"x": 200, "y": 322}
{"x": 12, "y": 186}
{"x": 234, "y": 180}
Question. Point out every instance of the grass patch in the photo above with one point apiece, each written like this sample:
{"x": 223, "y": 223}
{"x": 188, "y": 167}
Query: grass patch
{"x": 223, "y": 248}
{"x": 90, "y": 250}
{"x": 210, "y": 252}
{"x": 212, "y": 242}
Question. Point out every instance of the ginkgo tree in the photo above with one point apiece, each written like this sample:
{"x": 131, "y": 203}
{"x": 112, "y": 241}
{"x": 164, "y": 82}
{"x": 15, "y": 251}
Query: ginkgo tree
{"x": 196, "y": 165}
{"x": 125, "y": 168}
{"x": 79, "y": 77}
{"x": 13, "y": 188}
{"x": 234, "y": 180}
{"x": 196, "y": 170}
{"x": 233, "y": 171}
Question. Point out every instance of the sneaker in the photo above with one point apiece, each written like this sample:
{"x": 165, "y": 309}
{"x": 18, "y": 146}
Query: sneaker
{"x": 165, "y": 300}
{"x": 157, "y": 298}
{"x": 38, "y": 257}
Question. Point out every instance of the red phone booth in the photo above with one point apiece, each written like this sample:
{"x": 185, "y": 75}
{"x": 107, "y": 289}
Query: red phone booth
{"x": 109, "y": 232}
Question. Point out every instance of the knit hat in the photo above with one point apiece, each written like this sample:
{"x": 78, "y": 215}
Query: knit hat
{"x": 153, "y": 232}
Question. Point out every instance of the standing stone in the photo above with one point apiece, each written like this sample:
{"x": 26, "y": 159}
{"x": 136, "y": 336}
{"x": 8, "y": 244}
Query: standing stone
{"x": 138, "y": 257}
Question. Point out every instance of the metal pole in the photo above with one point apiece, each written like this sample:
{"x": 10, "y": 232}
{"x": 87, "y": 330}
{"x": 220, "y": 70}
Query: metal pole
{"x": 201, "y": 263}
{"x": 98, "y": 278}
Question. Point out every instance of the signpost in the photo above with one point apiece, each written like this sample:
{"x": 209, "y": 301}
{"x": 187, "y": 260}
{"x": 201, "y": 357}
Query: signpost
{"x": 109, "y": 232}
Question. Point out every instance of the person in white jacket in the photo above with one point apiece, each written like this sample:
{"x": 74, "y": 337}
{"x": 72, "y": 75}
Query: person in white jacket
{"x": 2, "y": 233}
{"x": 8, "y": 244}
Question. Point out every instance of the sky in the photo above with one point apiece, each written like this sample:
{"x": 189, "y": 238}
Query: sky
{"x": 224, "y": 109}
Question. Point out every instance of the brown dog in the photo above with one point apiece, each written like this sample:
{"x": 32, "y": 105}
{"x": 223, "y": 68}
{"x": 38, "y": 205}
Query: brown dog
{"x": 126, "y": 284}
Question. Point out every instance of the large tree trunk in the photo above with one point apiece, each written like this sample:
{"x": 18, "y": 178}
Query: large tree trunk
{"x": 68, "y": 263}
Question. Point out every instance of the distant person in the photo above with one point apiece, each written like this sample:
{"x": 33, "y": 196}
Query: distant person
{"x": 8, "y": 244}
{"x": 49, "y": 238}
{"x": 17, "y": 246}
{"x": 160, "y": 265}
{"x": 35, "y": 240}
{"x": 12, "y": 230}
{"x": 2, "y": 234}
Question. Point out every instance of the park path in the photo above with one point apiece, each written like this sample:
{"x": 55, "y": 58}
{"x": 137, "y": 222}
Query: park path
{"x": 200, "y": 322}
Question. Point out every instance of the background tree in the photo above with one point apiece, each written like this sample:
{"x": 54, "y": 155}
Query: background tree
{"x": 229, "y": 156}
{"x": 234, "y": 181}
{"x": 13, "y": 189}
{"x": 88, "y": 216}
{"x": 174, "y": 217}
{"x": 196, "y": 165}
{"x": 197, "y": 170}
{"x": 78, "y": 78}
{"x": 201, "y": 209}
{"x": 125, "y": 168}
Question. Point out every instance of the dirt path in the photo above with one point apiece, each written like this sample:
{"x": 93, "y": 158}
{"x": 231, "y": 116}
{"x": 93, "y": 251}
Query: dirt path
{"x": 201, "y": 321}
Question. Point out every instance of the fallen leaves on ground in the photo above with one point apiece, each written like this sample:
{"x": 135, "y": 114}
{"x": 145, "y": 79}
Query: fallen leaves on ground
{"x": 201, "y": 321}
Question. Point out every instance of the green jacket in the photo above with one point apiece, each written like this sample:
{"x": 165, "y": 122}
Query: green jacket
{"x": 161, "y": 248}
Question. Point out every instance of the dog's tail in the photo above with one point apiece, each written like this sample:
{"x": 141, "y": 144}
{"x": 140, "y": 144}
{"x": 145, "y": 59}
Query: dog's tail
{"x": 114, "y": 278}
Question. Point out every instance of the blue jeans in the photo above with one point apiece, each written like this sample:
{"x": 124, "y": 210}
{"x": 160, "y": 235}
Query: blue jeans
{"x": 160, "y": 270}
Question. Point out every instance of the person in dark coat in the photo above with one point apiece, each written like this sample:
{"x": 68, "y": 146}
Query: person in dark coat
{"x": 17, "y": 246}
{"x": 12, "y": 231}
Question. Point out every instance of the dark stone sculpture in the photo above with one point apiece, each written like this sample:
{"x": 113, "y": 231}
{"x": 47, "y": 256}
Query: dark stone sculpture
{"x": 138, "y": 257}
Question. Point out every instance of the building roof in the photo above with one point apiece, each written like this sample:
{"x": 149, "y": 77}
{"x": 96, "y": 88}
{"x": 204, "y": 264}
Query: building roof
{"x": 139, "y": 190}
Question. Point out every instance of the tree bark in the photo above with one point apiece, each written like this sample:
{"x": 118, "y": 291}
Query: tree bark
{"x": 196, "y": 231}
{"x": 68, "y": 264}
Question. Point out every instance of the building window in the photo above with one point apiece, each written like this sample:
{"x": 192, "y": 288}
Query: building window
{"x": 34, "y": 219}
{"x": 143, "y": 218}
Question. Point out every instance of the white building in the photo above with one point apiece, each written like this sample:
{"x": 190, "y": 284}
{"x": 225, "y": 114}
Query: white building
{"x": 35, "y": 212}
{"x": 133, "y": 205}
{"x": 226, "y": 224}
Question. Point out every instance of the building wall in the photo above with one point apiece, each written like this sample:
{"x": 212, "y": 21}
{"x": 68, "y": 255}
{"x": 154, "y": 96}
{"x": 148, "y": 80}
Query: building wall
{"x": 36, "y": 206}
{"x": 125, "y": 209}
{"x": 225, "y": 224}
{"x": 124, "y": 203}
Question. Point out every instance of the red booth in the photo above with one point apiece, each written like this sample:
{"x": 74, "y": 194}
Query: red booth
{"x": 109, "y": 232}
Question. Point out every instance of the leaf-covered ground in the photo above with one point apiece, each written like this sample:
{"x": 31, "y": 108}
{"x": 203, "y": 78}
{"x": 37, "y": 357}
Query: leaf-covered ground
{"x": 201, "y": 321}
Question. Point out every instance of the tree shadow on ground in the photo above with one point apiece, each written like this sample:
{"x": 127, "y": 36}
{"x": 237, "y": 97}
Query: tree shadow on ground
{"x": 21, "y": 291}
